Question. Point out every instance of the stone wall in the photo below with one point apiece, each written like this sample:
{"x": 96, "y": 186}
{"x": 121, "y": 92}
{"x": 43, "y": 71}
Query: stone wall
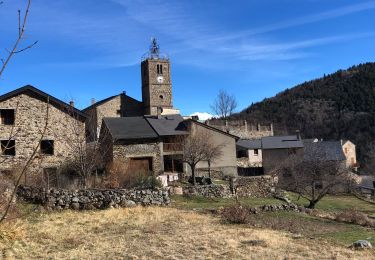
{"x": 63, "y": 128}
{"x": 243, "y": 187}
{"x": 209, "y": 191}
{"x": 58, "y": 199}
{"x": 125, "y": 152}
{"x": 242, "y": 128}
{"x": 256, "y": 186}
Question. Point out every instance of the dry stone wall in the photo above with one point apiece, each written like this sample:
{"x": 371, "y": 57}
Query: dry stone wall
{"x": 256, "y": 186}
{"x": 58, "y": 199}
{"x": 247, "y": 187}
{"x": 209, "y": 191}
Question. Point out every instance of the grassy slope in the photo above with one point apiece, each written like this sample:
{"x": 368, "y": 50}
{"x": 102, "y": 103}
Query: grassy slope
{"x": 307, "y": 225}
{"x": 159, "y": 233}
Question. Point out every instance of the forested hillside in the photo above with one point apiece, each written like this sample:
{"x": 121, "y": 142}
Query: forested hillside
{"x": 337, "y": 106}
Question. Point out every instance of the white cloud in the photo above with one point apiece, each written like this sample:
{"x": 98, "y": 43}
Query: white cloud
{"x": 203, "y": 115}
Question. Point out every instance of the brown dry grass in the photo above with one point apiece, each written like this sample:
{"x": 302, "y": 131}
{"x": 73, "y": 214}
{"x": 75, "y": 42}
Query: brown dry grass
{"x": 155, "y": 233}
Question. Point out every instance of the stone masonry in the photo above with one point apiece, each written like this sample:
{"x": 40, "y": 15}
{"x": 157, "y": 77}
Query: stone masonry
{"x": 242, "y": 128}
{"x": 126, "y": 152}
{"x": 30, "y": 120}
{"x": 58, "y": 199}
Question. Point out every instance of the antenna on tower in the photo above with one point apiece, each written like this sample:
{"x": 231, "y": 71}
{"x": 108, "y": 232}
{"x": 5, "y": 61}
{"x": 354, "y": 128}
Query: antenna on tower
{"x": 154, "y": 48}
{"x": 154, "y": 51}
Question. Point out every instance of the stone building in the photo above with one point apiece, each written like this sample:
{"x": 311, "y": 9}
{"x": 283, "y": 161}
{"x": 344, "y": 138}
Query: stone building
{"x": 153, "y": 144}
{"x": 276, "y": 149}
{"x": 120, "y": 105}
{"x": 156, "y": 95}
{"x": 32, "y": 118}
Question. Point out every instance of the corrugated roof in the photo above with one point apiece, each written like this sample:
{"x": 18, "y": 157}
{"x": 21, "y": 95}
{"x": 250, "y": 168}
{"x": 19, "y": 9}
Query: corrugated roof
{"x": 281, "y": 142}
{"x": 249, "y": 144}
{"x": 324, "y": 151}
{"x": 168, "y": 125}
{"x": 129, "y": 128}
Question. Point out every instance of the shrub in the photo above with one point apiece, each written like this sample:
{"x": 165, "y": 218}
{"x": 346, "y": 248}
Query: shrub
{"x": 236, "y": 214}
{"x": 355, "y": 217}
{"x": 118, "y": 176}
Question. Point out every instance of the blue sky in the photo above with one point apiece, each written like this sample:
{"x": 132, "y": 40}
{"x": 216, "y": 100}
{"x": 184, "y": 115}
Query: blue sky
{"x": 253, "y": 49}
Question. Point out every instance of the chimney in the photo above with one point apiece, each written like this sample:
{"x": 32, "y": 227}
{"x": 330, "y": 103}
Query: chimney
{"x": 159, "y": 111}
{"x": 93, "y": 101}
{"x": 71, "y": 103}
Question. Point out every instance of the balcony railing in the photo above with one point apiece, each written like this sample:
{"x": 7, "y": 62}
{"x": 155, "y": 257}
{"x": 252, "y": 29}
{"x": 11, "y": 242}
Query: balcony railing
{"x": 172, "y": 147}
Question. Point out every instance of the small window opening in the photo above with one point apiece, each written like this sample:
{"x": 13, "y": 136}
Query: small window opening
{"x": 7, "y": 116}
{"x": 8, "y": 147}
{"x": 47, "y": 147}
{"x": 161, "y": 97}
{"x": 159, "y": 69}
{"x": 118, "y": 112}
{"x": 256, "y": 151}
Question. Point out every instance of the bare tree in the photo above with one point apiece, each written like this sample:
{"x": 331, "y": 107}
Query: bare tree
{"x": 198, "y": 146}
{"x": 312, "y": 178}
{"x": 22, "y": 21}
{"x": 213, "y": 152}
{"x": 87, "y": 157}
{"x": 224, "y": 104}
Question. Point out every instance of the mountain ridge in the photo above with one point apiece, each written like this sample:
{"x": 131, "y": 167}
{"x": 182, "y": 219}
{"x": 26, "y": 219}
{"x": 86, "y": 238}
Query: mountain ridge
{"x": 337, "y": 106}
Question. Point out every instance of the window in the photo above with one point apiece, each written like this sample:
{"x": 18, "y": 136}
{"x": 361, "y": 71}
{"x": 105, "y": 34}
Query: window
{"x": 161, "y": 97}
{"x": 159, "y": 69}
{"x": 7, "y": 116}
{"x": 256, "y": 151}
{"x": 8, "y": 147}
{"x": 47, "y": 147}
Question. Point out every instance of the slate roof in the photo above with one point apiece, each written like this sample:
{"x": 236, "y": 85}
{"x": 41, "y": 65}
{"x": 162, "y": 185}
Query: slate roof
{"x": 281, "y": 142}
{"x": 129, "y": 128}
{"x": 168, "y": 125}
{"x": 324, "y": 151}
{"x": 44, "y": 96}
{"x": 144, "y": 127}
{"x": 249, "y": 144}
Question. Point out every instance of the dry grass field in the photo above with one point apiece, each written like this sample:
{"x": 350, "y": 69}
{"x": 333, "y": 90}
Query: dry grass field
{"x": 156, "y": 233}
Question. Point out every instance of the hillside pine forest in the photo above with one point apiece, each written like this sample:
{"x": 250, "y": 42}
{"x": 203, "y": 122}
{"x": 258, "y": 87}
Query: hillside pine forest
{"x": 334, "y": 107}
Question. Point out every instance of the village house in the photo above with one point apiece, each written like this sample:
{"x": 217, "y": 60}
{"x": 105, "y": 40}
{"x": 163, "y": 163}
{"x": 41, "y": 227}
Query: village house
{"x": 31, "y": 118}
{"x": 149, "y": 138}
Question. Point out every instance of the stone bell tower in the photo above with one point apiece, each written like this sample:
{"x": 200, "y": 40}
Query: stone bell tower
{"x": 156, "y": 81}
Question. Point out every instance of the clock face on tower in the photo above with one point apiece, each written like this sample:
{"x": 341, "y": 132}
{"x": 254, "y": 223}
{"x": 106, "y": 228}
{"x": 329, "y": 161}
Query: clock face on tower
{"x": 160, "y": 79}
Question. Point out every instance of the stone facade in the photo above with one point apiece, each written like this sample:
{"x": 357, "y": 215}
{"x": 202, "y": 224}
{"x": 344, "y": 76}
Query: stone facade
{"x": 156, "y": 85}
{"x": 58, "y": 199}
{"x": 117, "y": 106}
{"x": 242, "y": 128}
{"x": 125, "y": 152}
{"x": 63, "y": 128}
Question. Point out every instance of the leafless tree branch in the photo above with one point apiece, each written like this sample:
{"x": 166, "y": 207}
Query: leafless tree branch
{"x": 22, "y": 21}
